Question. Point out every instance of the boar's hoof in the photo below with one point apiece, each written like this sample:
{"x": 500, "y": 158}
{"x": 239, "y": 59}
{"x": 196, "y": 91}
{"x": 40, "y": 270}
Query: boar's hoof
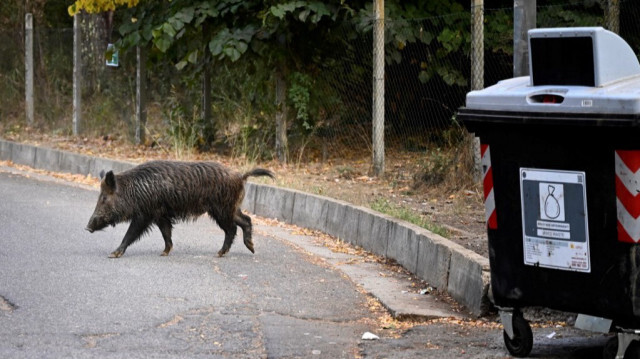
{"x": 116, "y": 254}
{"x": 167, "y": 250}
{"x": 222, "y": 252}
{"x": 249, "y": 246}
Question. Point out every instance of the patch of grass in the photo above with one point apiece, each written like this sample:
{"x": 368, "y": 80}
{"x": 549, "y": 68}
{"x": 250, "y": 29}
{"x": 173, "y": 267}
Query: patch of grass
{"x": 384, "y": 206}
{"x": 435, "y": 167}
{"x": 347, "y": 172}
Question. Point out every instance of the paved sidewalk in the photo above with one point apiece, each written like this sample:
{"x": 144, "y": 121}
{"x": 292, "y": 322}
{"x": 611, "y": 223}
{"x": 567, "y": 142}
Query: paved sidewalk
{"x": 393, "y": 290}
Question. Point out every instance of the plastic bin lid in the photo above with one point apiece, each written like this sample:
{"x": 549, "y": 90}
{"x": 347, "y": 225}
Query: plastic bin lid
{"x": 582, "y": 70}
{"x": 589, "y": 56}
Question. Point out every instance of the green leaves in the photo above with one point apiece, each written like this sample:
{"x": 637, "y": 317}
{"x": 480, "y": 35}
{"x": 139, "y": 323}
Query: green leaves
{"x": 303, "y": 11}
{"x": 452, "y": 76}
{"x": 191, "y": 58}
{"x": 281, "y": 10}
{"x": 318, "y": 10}
{"x": 185, "y": 15}
{"x": 165, "y": 34}
{"x": 203, "y": 11}
{"x": 231, "y": 43}
{"x": 163, "y": 37}
{"x": 450, "y": 39}
{"x": 299, "y": 96}
{"x": 183, "y": 31}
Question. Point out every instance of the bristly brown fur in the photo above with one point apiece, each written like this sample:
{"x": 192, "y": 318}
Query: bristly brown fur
{"x": 164, "y": 192}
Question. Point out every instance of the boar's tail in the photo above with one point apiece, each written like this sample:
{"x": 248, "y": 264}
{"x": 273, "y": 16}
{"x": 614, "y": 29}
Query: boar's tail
{"x": 257, "y": 172}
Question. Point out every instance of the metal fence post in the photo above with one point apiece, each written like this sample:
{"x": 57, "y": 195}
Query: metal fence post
{"x": 28, "y": 70}
{"x": 477, "y": 73}
{"x": 77, "y": 74}
{"x": 477, "y": 44}
{"x": 141, "y": 94}
{"x": 378, "y": 89}
{"x": 524, "y": 19}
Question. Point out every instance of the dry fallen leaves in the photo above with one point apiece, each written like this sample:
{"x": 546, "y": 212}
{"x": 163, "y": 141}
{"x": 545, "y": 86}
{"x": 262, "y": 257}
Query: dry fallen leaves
{"x": 76, "y": 178}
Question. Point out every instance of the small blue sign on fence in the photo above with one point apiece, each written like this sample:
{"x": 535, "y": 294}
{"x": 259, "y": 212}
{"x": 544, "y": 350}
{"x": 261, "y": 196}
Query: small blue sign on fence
{"x": 112, "y": 56}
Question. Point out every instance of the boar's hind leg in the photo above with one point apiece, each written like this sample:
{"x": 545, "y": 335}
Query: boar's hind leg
{"x": 229, "y": 227}
{"x": 137, "y": 227}
{"x": 244, "y": 222}
{"x": 165, "y": 228}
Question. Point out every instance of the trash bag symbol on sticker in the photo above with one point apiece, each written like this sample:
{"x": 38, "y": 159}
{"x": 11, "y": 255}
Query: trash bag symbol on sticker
{"x": 552, "y": 201}
{"x": 551, "y": 204}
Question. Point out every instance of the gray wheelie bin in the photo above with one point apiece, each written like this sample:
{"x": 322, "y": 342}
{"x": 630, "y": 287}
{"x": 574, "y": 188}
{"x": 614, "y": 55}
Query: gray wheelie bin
{"x": 561, "y": 163}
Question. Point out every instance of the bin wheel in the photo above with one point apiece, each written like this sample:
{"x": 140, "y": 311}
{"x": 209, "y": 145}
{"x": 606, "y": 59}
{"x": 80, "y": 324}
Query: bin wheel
{"x": 522, "y": 342}
{"x": 611, "y": 349}
{"x": 633, "y": 351}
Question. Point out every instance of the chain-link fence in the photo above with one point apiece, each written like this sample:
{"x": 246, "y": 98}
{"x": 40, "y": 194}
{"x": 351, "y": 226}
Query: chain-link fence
{"x": 330, "y": 104}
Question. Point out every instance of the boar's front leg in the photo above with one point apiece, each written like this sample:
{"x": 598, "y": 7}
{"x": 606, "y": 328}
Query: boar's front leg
{"x": 137, "y": 227}
{"x": 165, "y": 228}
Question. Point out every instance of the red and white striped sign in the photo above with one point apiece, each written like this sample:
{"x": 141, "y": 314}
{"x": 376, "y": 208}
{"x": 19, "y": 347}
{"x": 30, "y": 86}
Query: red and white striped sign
{"x": 487, "y": 184}
{"x": 628, "y": 195}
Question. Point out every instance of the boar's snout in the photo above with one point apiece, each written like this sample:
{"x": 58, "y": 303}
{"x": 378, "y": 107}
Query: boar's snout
{"x": 95, "y": 224}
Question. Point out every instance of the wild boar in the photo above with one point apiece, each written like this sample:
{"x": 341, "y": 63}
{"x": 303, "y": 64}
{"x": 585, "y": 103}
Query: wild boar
{"x": 165, "y": 192}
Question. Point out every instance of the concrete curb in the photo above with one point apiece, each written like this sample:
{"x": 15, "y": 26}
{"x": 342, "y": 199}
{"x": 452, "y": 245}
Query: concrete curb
{"x": 440, "y": 262}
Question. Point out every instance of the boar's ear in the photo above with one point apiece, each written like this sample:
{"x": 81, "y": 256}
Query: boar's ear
{"x": 110, "y": 181}
{"x": 101, "y": 174}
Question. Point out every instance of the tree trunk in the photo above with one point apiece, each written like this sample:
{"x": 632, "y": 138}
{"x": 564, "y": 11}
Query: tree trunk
{"x": 281, "y": 117}
{"x": 28, "y": 71}
{"x": 612, "y": 15}
{"x": 207, "y": 120}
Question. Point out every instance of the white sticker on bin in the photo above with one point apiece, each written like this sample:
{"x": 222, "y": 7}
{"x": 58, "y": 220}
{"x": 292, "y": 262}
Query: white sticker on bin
{"x": 554, "y": 219}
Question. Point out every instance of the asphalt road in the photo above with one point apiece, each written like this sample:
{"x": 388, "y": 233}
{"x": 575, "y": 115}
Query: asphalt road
{"x": 62, "y": 297}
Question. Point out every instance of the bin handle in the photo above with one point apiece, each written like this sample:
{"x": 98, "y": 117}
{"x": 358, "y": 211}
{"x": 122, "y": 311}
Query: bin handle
{"x": 548, "y": 96}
